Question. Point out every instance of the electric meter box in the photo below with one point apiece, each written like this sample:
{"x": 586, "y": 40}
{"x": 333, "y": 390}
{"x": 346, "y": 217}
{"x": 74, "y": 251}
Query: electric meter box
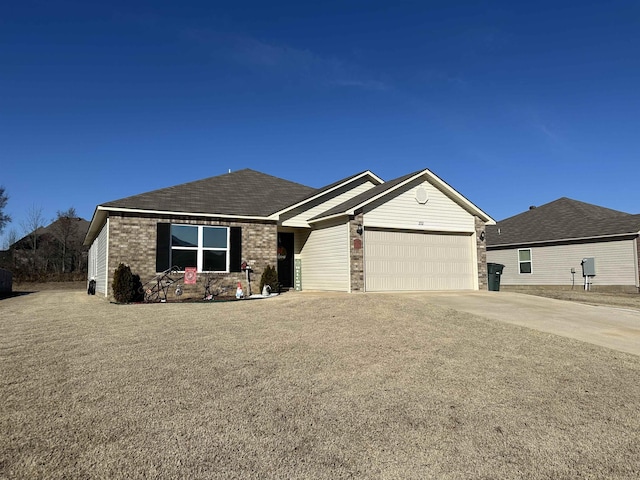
{"x": 589, "y": 267}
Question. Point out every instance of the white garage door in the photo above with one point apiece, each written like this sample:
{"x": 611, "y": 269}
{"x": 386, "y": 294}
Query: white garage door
{"x": 400, "y": 261}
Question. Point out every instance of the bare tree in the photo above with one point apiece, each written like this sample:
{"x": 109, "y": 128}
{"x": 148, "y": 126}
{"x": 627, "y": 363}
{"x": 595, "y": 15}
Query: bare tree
{"x": 10, "y": 238}
{"x": 65, "y": 230}
{"x": 31, "y": 225}
{"x": 4, "y": 219}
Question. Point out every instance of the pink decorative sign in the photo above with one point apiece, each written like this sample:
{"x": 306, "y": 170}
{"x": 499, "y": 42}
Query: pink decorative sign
{"x": 190, "y": 276}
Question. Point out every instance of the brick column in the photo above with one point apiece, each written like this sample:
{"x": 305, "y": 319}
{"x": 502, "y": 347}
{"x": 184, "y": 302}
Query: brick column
{"x": 356, "y": 254}
{"x": 481, "y": 248}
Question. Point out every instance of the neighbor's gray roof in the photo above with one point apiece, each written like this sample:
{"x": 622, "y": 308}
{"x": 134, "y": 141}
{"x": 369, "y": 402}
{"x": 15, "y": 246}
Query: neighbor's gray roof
{"x": 242, "y": 193}
{"x": 562, "y": 219}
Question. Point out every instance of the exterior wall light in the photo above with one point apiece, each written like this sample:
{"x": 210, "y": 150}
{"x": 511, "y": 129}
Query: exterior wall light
{"x": 359, "y": 229}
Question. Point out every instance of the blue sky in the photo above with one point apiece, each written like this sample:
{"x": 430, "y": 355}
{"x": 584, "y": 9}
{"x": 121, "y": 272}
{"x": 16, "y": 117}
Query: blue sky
{"x": 512, "y": 103}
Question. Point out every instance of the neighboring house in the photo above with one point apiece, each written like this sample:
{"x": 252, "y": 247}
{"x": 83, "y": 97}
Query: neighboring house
{"x": 546, "y": 246}
{"x": 58, "y": 249}
{"x": 357, "y": 234}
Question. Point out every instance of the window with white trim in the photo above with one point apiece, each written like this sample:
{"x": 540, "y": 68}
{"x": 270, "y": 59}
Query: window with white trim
{"x": 206, "y": 248}
{"x": 524, "y": 260}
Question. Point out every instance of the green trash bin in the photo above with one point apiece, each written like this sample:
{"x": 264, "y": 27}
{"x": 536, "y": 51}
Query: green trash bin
{"x": 495, "y": 271}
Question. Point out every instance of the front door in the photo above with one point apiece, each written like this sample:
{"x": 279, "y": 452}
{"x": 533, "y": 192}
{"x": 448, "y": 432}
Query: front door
{"x": 285, "y": 259}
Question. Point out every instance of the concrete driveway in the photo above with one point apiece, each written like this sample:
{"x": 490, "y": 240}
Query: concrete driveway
{"x": 611, "y": 327}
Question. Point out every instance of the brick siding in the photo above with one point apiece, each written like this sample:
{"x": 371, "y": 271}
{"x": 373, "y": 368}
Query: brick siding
{"x": 356, "y": 255}
{"x": 481, "y": 247}
{"x": 132, "y": 240}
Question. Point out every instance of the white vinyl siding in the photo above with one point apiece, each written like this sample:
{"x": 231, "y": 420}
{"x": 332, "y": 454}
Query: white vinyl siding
{"x": 325, "y": 259}
{"x": 98, "y": 259}
{"x": 299, "y": 217}
{"x": 615, "y": 264}
{"x": 439, "y": 213}
{"x": 406, "y": 261}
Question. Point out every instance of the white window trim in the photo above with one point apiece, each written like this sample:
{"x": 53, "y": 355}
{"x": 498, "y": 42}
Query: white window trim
{"x": 200, "y": 249}
{"x": 530, "y": 261}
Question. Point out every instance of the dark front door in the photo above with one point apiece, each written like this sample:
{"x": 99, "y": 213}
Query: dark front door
{"x": 285, "y": 259}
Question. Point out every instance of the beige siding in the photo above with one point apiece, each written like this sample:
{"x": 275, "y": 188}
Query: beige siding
{"x": 98, "y": 259}
{"x": 404, "y": 261}
{"x": 299, "y": 217}
{"x": 440, "y": 213}
{"x": 325, "y": 258}
{"x": 638, "y": 261}
{"x": 615, "y": 264}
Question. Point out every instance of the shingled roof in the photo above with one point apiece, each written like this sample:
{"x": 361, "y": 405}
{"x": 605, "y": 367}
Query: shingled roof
{"x": 560, "y": 220}
{"x": 242, "y": 193}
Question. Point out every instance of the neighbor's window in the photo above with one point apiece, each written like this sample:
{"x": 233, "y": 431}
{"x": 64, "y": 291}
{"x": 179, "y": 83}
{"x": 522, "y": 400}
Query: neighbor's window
{"x": 206, "y": 248}
{"x": 524, "y": 260}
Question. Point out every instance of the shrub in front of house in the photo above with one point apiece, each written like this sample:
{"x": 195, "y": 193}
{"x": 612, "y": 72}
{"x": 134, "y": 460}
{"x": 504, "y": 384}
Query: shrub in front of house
{"x": 270, "y": 277}
{"x": 126, "y": 285}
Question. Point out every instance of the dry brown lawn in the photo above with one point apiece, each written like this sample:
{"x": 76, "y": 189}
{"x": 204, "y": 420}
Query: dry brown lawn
{"x": 304, "y": 385}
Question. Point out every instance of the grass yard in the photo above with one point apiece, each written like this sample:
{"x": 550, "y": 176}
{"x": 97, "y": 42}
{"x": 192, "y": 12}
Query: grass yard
{"x": 321, "y": 386}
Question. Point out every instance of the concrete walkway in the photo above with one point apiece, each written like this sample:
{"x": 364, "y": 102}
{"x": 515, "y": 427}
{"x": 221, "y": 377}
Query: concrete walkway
{"x": 611, "y": 327}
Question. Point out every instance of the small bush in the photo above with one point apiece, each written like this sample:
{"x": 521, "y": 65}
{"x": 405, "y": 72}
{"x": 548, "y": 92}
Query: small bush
{"x": 125, "y": 284}
{"x": 270, "y": 277}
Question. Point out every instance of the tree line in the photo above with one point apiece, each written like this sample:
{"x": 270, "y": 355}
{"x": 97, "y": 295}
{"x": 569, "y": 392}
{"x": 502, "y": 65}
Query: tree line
{"x": 51, "y": 252}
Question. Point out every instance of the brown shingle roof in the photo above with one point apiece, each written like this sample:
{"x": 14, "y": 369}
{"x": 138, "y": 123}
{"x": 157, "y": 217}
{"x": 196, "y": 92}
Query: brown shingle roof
{"x": 242, "y": 193}
{"x": 562, "y": 219}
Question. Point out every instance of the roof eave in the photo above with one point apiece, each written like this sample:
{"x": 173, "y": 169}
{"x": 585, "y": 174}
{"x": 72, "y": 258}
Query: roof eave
{"x": 97, "y": 220}
{"x": 101, "y": 213}
{"x": 461, "y": 199}
{"x": 367, "y": 173}
{"x": 441, "y": 183}
{"x": 332, "y": 217}
{"x": 565, "y": 240}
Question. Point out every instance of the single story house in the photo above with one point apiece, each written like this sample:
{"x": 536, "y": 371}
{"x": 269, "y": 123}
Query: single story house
{"x": 550, "y": 245}
{"x": 357, "y": 234}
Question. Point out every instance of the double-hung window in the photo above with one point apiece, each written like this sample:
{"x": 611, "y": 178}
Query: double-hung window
{"x": 524, "y": 260}
{"x": 206, "y": 248}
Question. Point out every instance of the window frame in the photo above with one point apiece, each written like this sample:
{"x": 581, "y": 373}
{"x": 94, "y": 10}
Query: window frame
{"x": 200, "y": 249}
{"x": 530, "y": 261}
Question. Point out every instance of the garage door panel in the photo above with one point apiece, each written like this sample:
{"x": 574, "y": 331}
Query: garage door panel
{"x": 397, "y": 261}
